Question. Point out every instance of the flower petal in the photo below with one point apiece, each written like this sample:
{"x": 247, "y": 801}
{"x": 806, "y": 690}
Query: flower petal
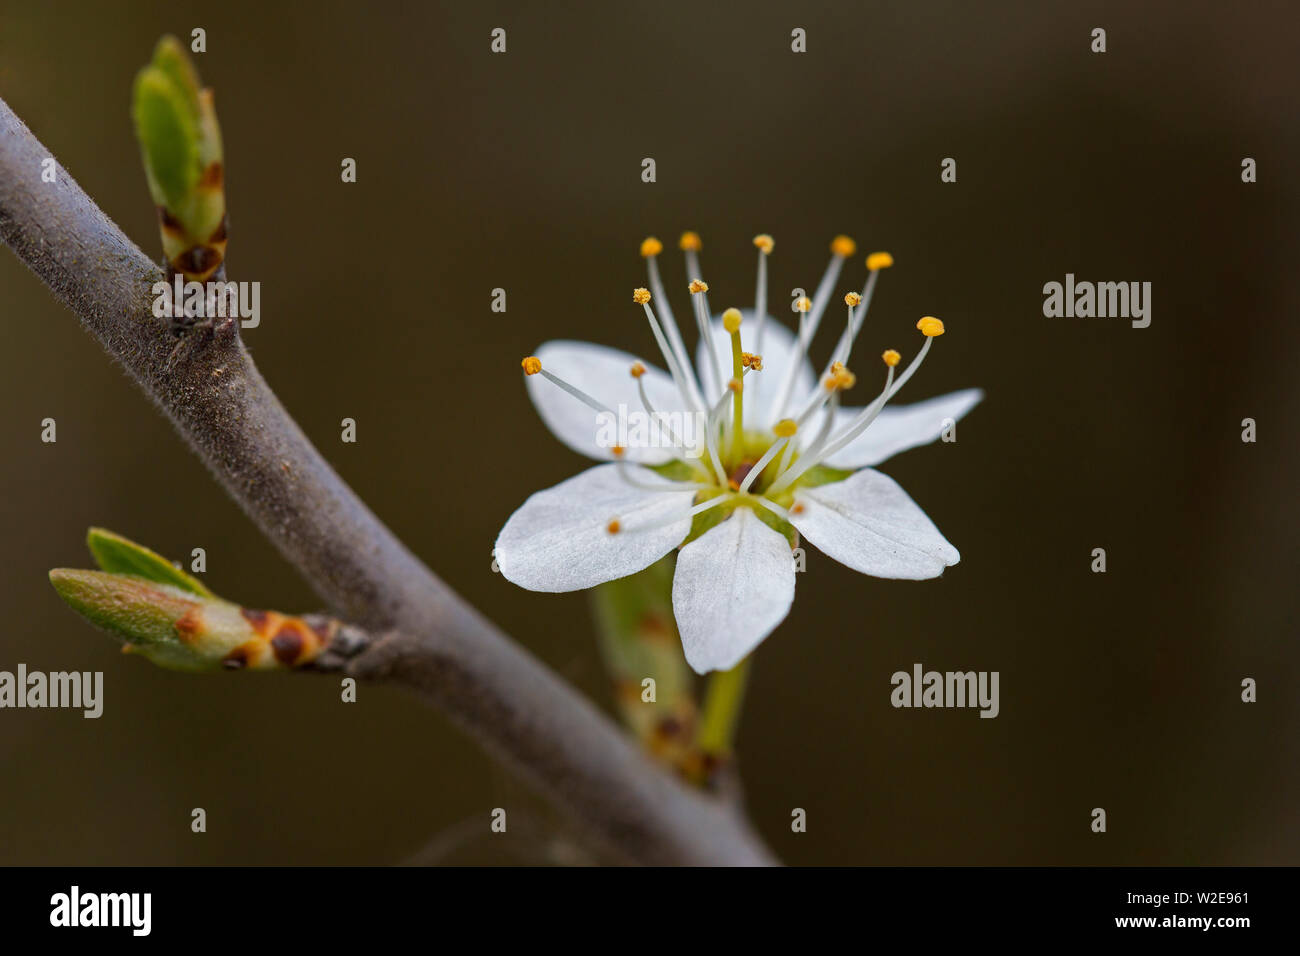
{"x": 734, "y": 584}
{"x": 900, "y": 427}
{"x": 559, "y": 540}
{"x": 780, "y": 348}
{"x": 605, "y": 375}
{"x": 870, "y": 524}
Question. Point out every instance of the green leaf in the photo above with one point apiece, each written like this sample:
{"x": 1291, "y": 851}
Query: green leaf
{"x": 166, "y": 123}
{"x": 119, "y": 555}
{"x": 170, "y": 59}
{"x": 142, "y": 613}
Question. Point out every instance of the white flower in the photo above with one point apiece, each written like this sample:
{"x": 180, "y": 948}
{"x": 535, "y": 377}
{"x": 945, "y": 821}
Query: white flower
{"x": 776, "y": 456}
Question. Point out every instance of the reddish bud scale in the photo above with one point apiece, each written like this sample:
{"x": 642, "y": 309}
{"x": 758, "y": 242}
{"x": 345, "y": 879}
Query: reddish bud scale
{"x": 280, "y": 641}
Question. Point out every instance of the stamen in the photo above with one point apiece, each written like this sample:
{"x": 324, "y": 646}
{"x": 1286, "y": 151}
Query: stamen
{"x": 699, "y": 289}
{"x": 915, "y": 364}
{"x": 690, "y": 245}
{"x": 625, "y": 472}
{"x": 839, "y": 246}
{"x": 763, "y": 462}
{"x": 685, "y": 385}
{"x": 651, "y": 248}
{"x": 673, "y": 519}
{"x": 638, "y": 372}
{"x": 837, "y": 378}
{"x": 844, "y": 347}
{"x": 752, "y": 361}
{"x": 857, "y": 427}
{"x": 785, "y": 459}
{"x": 869, "y": 414}
{"x": 533, "y": 366}
{"x": 711, "y": 435}
{"x": 765, "y": 244}
{"x": 930, "y": 326}
{"x": 773, "y": 507}
{"x": 827, "y": 423}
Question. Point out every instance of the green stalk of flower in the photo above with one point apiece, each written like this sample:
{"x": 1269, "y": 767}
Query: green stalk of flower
{"x": 180, "y": 142}
{"x": 167, "y": 616}
{"x": 723, "y": 701}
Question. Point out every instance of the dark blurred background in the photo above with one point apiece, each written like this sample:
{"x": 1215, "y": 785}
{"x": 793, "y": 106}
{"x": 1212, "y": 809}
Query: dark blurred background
{"x": 522, "y": 171}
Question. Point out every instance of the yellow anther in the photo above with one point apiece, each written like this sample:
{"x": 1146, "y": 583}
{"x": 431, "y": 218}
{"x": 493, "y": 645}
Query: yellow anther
{"x": 930, "y": 326}
{"x": 735, "y": 385}
{"x": 837, "y": 367}
{"x": 891, "y": 357}
{"x": 803, "y": 303}
{"x": 852, "y": 298}
{"x": 797, "y": 508}
{"x": 843, "y": 246}
{"x": 731, "y": 320}
{"x": 637, "y": 369}
{"x": 698, "y": 285}
{"x": 532, "y": 365}
{"x": 879, "y": 260}
{"x": 839, "y": 380}
{"x": 751, "y": 361}
{"x": 690, "y": 242}
{"x": 765, "y": 243}
{"x": 650, "y": 246}
{"x": 640, "y": 296}
{"x": 613, "y": 527}
{"x": 618, "y": 451}
{"x": 785, "y": 428}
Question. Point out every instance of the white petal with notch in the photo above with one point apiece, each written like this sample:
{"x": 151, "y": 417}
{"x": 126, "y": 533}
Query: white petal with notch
{"x": 869, "y": 523}
{"x": 734, "y": 584}
{"x": 559, "y": 539}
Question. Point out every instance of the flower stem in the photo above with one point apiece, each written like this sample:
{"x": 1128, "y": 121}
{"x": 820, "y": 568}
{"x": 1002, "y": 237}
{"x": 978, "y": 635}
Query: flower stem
{"x": 722, "y": 703}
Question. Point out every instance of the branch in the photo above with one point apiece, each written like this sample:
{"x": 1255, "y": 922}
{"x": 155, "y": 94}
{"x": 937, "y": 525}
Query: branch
{"x": 428, "y": 638}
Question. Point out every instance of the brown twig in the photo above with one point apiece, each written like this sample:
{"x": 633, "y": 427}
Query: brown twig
{"x": 428, "y": 638}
